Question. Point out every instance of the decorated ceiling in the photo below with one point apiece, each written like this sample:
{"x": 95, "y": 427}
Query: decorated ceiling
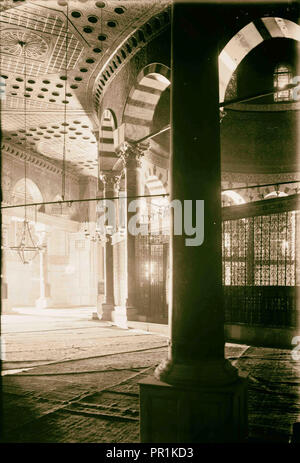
{"x": 52, "y": 55}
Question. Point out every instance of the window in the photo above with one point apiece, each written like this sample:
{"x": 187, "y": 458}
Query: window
{"x": 282, "y": 77}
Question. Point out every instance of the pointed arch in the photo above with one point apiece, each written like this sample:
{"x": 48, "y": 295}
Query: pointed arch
{"x": 107, "y": 126}
{"x": 33, "y": 193}
{"x": 248, "y": 38}
{"x": 139, "y": 110}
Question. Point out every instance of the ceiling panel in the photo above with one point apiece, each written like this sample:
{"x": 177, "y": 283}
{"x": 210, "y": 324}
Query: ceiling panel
{"x": 50, "y": 54}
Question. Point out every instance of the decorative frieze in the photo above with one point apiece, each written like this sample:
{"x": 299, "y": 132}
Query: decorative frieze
{"x": 35, "y": 159}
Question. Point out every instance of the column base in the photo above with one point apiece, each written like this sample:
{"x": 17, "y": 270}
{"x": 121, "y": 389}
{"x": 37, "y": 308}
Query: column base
{"x": 99, "y": 304}
{"x": 119, "y": 317}
{"x": 218, "y": 372}
{"x": 107, "y": 310}
{"x": 42, "y": 302}
{"x": 193, "y": 415}
{"x": 97, "y": 314}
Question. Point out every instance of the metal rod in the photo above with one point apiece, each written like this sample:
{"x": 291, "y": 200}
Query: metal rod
{"x": 162, "y": 195}
{"x": 152, "y": 135}
{"x": 262, "y": 185}
{"x": 257, "y": 95}
{"x": 222, "y": 105}
{"x": 63, "y": 179}
{"x": 83, "y": 200}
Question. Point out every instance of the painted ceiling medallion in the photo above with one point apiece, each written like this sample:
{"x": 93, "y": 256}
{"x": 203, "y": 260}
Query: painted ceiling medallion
{"x": 19, "y": 42}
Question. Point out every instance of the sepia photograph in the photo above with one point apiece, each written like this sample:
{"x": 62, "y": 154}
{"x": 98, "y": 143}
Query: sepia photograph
{"x": 150, "y": 225}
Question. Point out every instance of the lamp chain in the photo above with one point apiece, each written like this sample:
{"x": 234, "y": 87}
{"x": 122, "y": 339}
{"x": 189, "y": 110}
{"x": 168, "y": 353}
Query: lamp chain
{"x": 63, "y": 188}
{"x": 23, "y": 44}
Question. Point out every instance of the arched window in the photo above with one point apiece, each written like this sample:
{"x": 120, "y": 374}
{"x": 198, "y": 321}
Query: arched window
{"x": 282, "y": 77}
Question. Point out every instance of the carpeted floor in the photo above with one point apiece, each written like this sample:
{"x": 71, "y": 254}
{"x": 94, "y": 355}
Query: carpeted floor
{"x": 71, "y": 379}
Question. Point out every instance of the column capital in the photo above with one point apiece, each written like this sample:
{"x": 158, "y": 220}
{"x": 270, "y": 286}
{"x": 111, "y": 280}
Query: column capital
{"x": 131, "y": 154}
{"x": 111, "y": 180}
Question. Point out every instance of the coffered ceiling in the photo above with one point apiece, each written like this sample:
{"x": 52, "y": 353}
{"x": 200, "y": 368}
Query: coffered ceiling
{"x": 51, "y": 55}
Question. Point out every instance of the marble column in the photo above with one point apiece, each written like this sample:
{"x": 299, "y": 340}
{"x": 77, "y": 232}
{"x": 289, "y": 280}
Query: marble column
{"x": 5, "y": 303}
{"x": 196, "y": 395}
{"x": 111, "y": 182}
{"x": 131, "y": 155}
{"x": 44, "y": 300}
{"x": 99, "y": 190}
{"x": 100, "y": 249}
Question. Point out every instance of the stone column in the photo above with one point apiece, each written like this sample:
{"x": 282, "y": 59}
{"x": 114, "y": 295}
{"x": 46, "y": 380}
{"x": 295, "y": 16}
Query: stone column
{"x": 5, "y": 303}
{"x": 131, "y": 155}
{"x": 99, "y": 191}
{"x": 111, "y": 182}
{"x": 44, "y": 300}
{"x": 100, "y": 248}
{"x": 100, "y": 253}
{"x": 197, "y": 396}
{"x": 88, "y": 189}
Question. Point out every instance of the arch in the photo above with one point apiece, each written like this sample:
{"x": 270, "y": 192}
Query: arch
{"x": 107, "y": 126}
{"x": 33, "y": 193}
{"x": 233, "y": 197}
{"x": 248, "y": 38}
{"x": 139, "y": 110}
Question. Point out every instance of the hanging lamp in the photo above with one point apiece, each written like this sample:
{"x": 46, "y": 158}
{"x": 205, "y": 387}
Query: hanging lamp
{"x": 27, "y": 248}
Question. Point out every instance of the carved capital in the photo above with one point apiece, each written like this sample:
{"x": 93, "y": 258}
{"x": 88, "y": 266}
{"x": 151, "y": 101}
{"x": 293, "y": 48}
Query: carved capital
{"x": 111, "y": 180}
{"x": 131, "y": 154}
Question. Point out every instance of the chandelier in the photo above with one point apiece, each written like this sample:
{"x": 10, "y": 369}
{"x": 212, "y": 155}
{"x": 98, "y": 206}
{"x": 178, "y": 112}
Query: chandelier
{"x": 92, "y": 235}
{"x": 27, "y": 248}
